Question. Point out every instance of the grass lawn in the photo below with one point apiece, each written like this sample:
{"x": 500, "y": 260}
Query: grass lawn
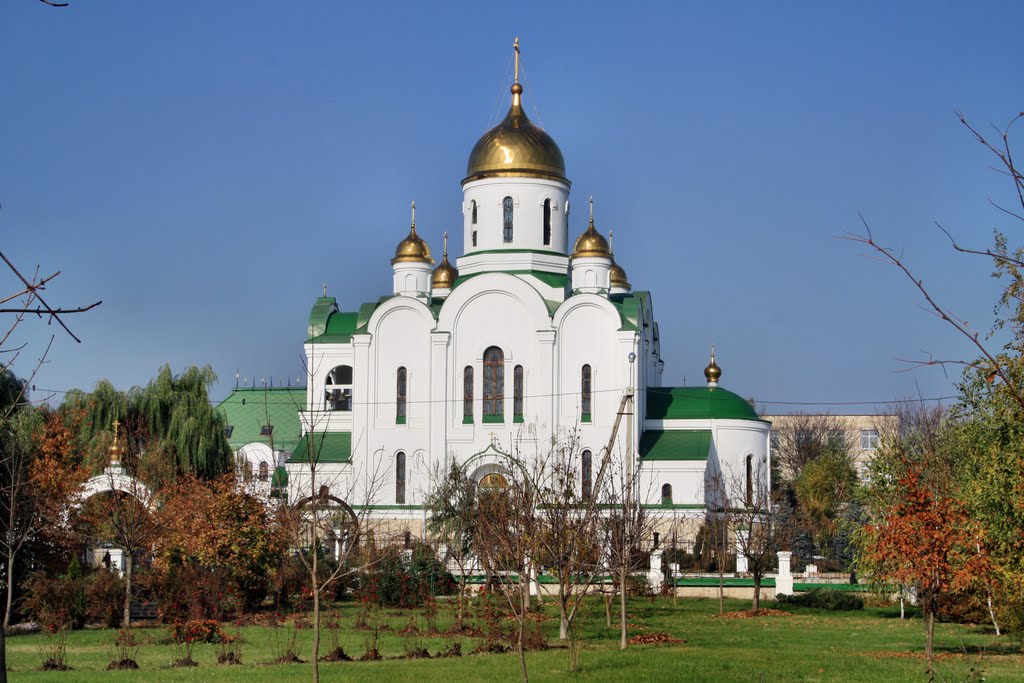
{"x": 810, "y": 645}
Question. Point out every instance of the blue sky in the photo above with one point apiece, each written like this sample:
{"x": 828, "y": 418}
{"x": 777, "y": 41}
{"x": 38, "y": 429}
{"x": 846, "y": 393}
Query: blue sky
{"x": 203, "y": 167}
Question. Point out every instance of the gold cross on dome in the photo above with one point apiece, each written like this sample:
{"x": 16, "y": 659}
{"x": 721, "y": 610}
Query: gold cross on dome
{"x": 446, "y": 244}
{"x": 492, "y": 437}
{"x": 515, "y": 46}
{"x": 414, "y": 214}
{"x": 325, "y": 289}
{"x": 591, "y": 208}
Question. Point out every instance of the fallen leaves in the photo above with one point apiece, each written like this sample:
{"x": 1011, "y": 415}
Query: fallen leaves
{"x": 753, "y": 613}
{"x": 655, "y": 639}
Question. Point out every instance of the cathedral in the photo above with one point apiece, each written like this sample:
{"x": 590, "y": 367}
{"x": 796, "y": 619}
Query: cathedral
{"x": 527, "y": 337}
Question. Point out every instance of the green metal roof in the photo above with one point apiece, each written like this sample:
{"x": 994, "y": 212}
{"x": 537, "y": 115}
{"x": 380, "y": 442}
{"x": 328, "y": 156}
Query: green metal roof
{"x": 247, "y": 410}
{"x": 318, "y": 317}
{"x": 280, "y": 478}
{"x": 692, "y": 444}
{"x": 328, "y": 447}
{"x": 697, "y": 403}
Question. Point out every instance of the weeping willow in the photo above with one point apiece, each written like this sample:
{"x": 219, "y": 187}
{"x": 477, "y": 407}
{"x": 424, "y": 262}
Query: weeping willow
{"x": 171, "y": 418}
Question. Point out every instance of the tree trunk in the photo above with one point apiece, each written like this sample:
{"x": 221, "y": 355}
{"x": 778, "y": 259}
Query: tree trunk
{"x": 608, "y": 599}
{"x": 10, "y": 591}
{"x": 991, "y": 614}
{"x": 460, "y": 615}
{"x": 757, "y": 590}
{"x": 316, "y": 601}
{"x": 127, "y": 620}
{"x": 622, "y": 608}
{"x": 563, "y": 626}
{"x": 3, "y": 656}
{"x": 930, "y": 630}
{"x": 524, "y": 606}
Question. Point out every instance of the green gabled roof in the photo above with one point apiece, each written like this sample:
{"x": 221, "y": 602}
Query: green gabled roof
{"x": 318, "y": 317}
{"x": 694, "y": 444}
{"x": 697, "y": 403}
{"x": 341, "y": 325}
{"x": 279, "y": 480}
{"x": 246, "y": 410}
{"x": 329, "y": 447}
{"x": 631, "y": 308}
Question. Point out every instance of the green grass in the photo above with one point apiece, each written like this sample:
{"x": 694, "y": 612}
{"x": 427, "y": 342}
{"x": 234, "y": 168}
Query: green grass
{"x": 811, "y": 645}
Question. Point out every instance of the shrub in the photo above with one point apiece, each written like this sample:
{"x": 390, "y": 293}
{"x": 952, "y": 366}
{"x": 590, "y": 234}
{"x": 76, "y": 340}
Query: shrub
{"x": 57, "y": 603}
{"x": 104, "y": 598}
{"x": 824, "y": 598}
{"x": 399, "y": 581}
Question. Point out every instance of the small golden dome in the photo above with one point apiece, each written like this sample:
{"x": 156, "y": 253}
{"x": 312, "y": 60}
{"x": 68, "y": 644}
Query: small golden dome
{"x": 116, "y": 450}
{"x": 591, "y": 242}
{"x": 445, "y": 274}
{"x": 712, "y": 371}
{"x": 515, "y": 147}
{"x": 413, "y": 248}
{"x": 618, "y": 277}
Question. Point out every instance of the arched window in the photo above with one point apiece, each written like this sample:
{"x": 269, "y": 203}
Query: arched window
{"x": 400, "y": 478}
{"x": 401, "y": 395}
{"x": 247, "y": 471}
{"x": 338, "y": 391}
{"x": 749, "y": 494}
{"x": 586, "y": 475}
{"x": 506, "y": 207}
{"x": 472, "y": 212}
{"x": 467, "y": 394}
{"x": 547, "y": 222}
{"x": 666, "y": 494}
{"x": 585, "y": 392}
{"x": 494, "y": 383}
{"x": 264, "y": 471}
{"x": 517, "y": 393}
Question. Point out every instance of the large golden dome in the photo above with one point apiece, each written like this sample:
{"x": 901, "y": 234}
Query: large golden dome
{"x": 515, "y": 147}
{"x": 445, "y": 274}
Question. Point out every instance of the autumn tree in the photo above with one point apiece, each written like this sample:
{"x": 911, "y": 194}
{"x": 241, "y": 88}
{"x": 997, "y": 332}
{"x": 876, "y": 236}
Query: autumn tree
{"x": 452, "y": 518}
{"x": 926, "y": 539}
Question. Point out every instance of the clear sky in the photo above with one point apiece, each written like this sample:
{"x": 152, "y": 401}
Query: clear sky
{"x": 202, "y": 167}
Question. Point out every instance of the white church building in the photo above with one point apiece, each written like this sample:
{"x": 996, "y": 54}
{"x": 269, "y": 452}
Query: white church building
{"x": 530, "y": 334}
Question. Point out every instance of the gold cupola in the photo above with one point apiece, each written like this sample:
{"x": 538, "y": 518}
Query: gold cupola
{"x": 515, "y": 147}
{"x": 712, "y": 372}
{"x": 617, "y": 274}
{"x": 445, "y": 274}
{"x": 412, "y": 249}
{"x": 116, "y": 450}
{"x": 591, "y": 243}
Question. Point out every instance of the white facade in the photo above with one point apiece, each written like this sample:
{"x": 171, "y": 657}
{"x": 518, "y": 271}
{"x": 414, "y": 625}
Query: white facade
{"x": 404, "y": 386}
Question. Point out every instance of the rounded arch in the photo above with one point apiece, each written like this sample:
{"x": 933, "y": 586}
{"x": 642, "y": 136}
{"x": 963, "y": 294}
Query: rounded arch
{"x": 394, "y": 305}
{"x": 115, "y": 480}
{"x": 493, "y": 284}
{"x": 581, "y": 301}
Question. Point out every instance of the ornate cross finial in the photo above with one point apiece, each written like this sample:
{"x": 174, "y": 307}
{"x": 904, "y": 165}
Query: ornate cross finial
{"x": 414, "y": 214}
{"x": 610, "y": 240}
{"x": 591, "y": 208}
{"x": 712, "y": 352}
{"x": 445, "y": 244}
{"x": 492, "y": 433}
{"x": 515, "y": 46}
{"x": 325, "y": 289}
{"x": 117, "y": 426}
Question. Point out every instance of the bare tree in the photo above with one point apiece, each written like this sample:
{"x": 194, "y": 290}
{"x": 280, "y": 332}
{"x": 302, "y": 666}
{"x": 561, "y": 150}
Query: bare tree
{"x": 451, "y": 507}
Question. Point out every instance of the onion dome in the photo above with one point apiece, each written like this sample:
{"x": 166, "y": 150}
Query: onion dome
{"x": 413, "y": 248}
{"x": 445, "y": 274}
{"x": 712, "y": 371}
{"x": 116, "y": 450}
{"x": 591, "y": 242}
{"x": 515, "y": 147}
{"x": 617, "y": 274}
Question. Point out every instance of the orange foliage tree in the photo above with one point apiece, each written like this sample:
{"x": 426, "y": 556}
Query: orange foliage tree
{"x": 927, "y": 540}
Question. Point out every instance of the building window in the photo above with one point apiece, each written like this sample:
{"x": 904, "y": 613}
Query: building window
{"x": 264, "y": 471}
{"x": 586, "y": 475}
{"x": 467, "y": 394}
{"x": 773, "y": 439}
{"x": 338, "y": 390}
{"x": 494, "y": 383}
{"x": 666, "y": 494}
{"x": 836, "y": 438}
{"x": 472, "y": 212}
{"x": 401, "y": 395}
{"x": 585, "y": 392}
{"x": 517, "y": 394}
{"x": 547, "y": 222}
{"x": 868, "y": 439}
{"x": 506, "y": 206}
{"x": 247, "y": 471}
{"x": 749, "y": 493}
{"x": 400, "y": 478}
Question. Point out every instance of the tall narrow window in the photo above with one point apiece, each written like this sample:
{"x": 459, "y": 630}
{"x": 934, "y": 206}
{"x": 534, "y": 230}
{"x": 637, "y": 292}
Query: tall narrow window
{"x": 400, "y": 478}
{"x": 264, "y": 471}
{"x": 749, "y": 494}
{"x": 400, "y": 396}
{"x": 467, "y": 394}
{"x": 494, "y": 384}
{"x": 506, "y": 206}
{"x": 585, "y": 389}
{"x": 517, "y": 394}
{"x": 666, "y": 494}
{"x": 472, "y": 213}
{"x": 586, "y": 475}
{"x": 547, "y": 222}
